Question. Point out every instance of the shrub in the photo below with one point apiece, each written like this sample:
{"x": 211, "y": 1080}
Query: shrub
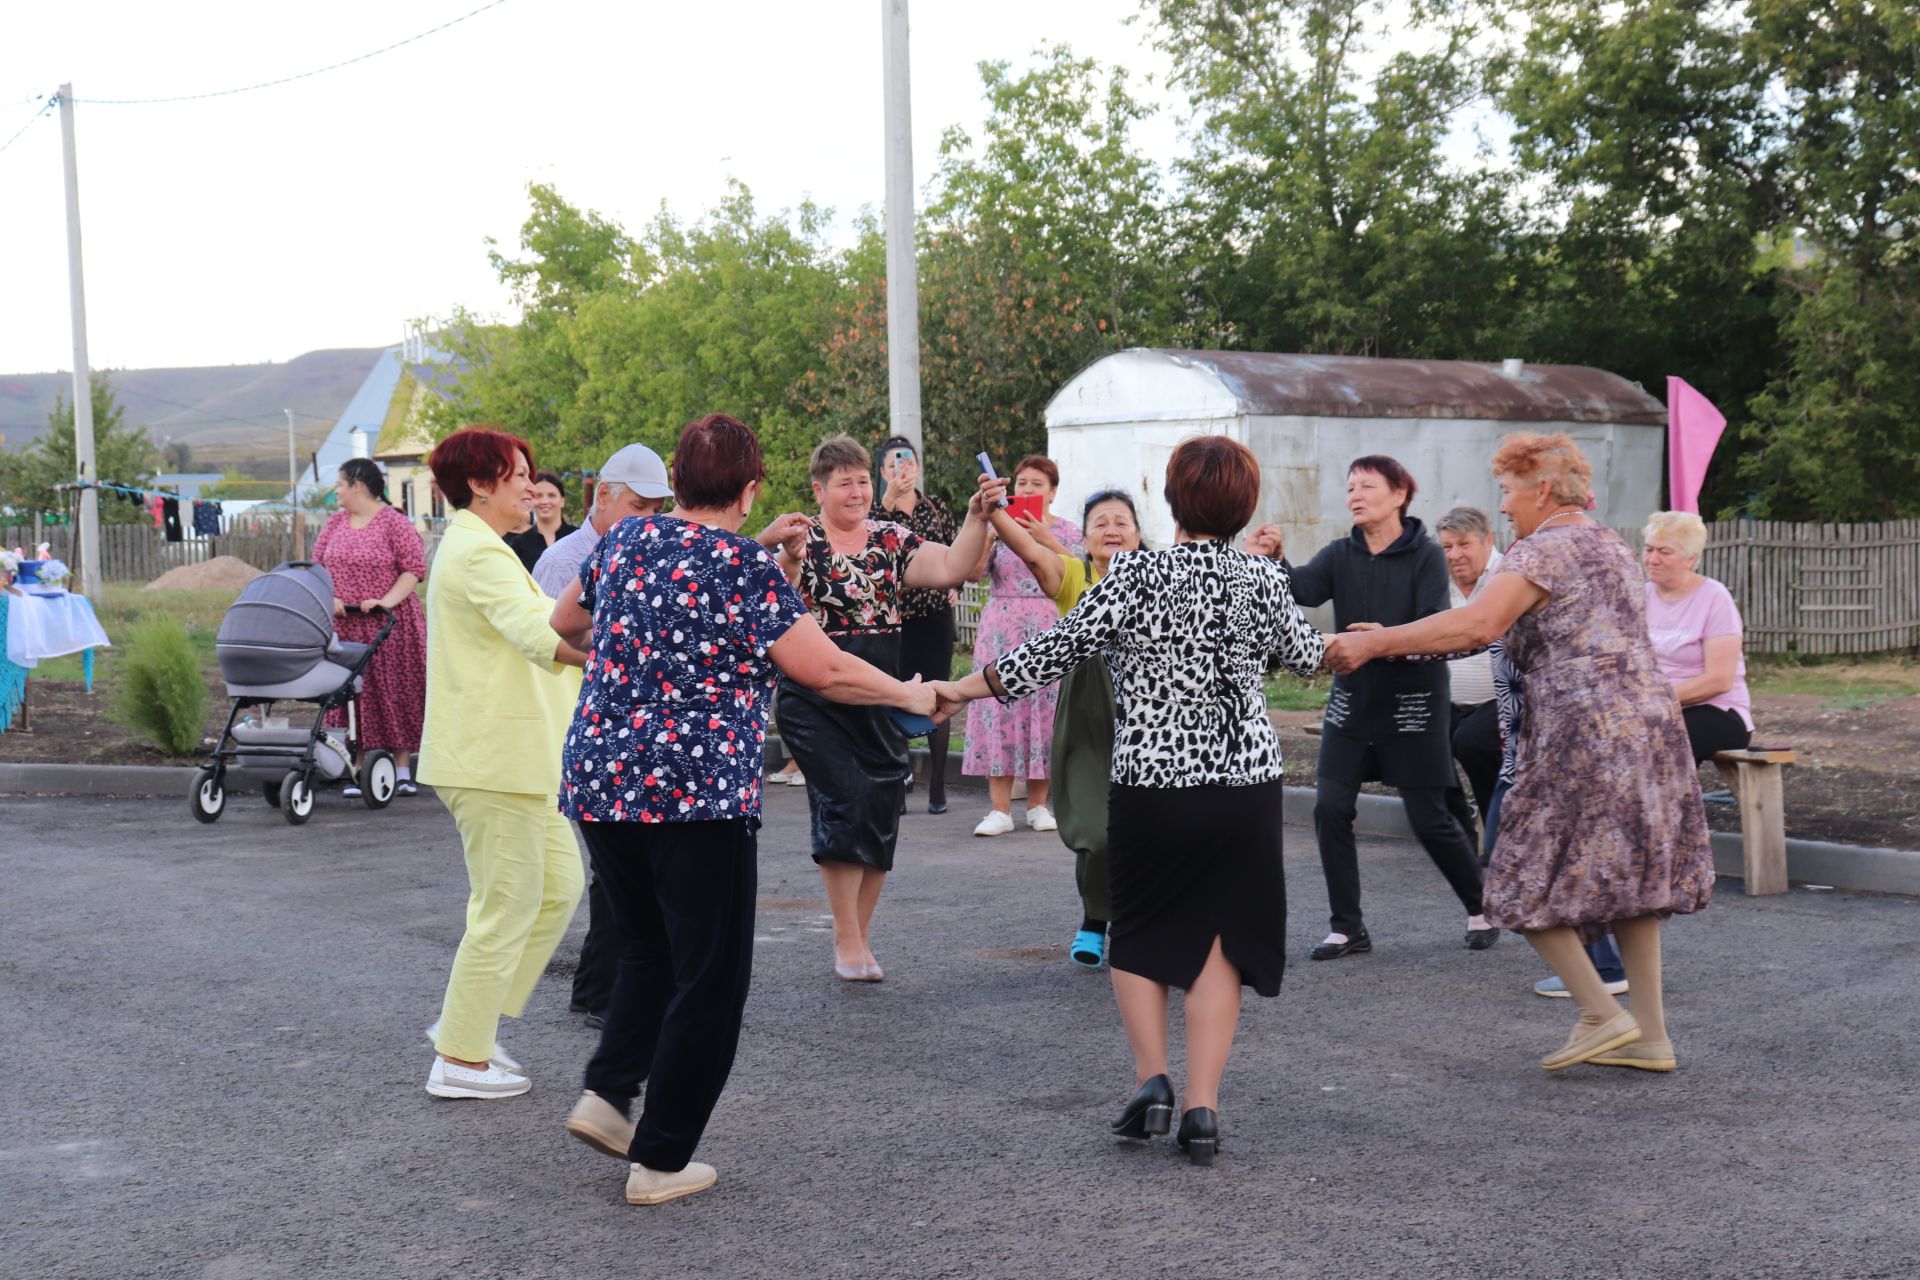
{"x": 163, "y": 693}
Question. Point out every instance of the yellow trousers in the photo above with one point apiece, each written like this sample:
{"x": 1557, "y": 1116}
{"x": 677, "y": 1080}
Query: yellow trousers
{"x": 523, "y": 869}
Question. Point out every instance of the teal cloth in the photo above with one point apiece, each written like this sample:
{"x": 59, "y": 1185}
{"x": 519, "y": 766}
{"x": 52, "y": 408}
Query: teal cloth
{"x": 13, "y": 677}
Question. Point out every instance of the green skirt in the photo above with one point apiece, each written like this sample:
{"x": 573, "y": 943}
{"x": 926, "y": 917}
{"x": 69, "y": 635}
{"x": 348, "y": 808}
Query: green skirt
{"x": 1082, "y": 769}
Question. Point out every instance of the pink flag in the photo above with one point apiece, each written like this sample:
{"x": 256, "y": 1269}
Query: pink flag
{"x": 1693, "y": 429}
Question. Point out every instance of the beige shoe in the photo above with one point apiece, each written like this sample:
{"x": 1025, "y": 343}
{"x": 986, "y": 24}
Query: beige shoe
{"x": 650, "y": 1186}
{"x": 1584, "y": 1045}
{"x": 1647, "y": 1055}
{"x": 599, "y": 1124}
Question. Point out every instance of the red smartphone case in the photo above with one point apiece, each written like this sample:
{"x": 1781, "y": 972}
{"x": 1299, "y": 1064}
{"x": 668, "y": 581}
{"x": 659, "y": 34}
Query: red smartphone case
{"x": 1026, "y": 504}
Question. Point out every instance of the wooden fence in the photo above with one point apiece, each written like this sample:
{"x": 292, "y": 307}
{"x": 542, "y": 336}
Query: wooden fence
{"x": 140, "y": 553}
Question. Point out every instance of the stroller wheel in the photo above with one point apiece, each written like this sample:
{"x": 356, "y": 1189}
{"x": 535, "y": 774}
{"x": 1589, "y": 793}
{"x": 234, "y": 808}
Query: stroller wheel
{"x": 271, "y": 790}
{"x": 378, "y": 779}
{"x": 209, "y": 798}
{"x": 296, "y": 798}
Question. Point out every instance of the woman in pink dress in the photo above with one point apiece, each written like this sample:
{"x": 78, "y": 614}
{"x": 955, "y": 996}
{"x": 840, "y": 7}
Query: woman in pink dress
{"x": 1005, "y": 742}
{"x": 376, "y": 559}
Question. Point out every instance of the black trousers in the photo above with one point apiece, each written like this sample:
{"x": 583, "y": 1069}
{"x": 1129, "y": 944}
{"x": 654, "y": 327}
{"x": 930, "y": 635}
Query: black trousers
{"x": 599, "y": 953}
{"x": 1711, "y": 729}
{"x": 926, "y": 650}
{"x": 1476, "y": 745}
{"x": 1334, "y": 807}
{"x": 682, "y": 894}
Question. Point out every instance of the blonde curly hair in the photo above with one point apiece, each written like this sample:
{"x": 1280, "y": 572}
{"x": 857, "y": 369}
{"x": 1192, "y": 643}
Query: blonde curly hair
{"x": 1684, "y": 529}
{"x": 1530, "y": 457}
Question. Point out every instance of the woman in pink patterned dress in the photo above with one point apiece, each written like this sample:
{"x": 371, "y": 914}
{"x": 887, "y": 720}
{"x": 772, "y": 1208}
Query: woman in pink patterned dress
{"x": 376, "y": 558}
{"x": 1009, "y": 741}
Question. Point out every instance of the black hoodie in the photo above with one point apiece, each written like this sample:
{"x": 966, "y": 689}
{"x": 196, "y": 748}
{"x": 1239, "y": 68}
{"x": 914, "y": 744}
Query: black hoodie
{"x": 1399, "y": 708}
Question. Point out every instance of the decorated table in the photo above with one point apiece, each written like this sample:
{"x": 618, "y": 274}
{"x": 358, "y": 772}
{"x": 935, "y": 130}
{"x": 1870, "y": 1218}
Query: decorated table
{"x": 40, "y": 619}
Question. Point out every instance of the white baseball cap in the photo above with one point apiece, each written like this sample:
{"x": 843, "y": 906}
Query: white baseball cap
{"x": 640, "y": 469}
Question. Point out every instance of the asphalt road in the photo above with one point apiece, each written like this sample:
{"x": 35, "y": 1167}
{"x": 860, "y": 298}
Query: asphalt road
{"x": 213, "y": 1065}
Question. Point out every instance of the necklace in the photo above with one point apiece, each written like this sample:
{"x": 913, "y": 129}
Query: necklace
{"x": 1571, "y": 511}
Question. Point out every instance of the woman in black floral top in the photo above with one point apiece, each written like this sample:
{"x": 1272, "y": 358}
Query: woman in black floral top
{"x": 853, "y": 572}
{"x": 926, "y": 628}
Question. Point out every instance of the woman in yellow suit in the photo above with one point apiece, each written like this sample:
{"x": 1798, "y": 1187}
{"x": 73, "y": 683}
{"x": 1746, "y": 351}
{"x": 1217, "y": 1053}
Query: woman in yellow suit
{"x": 499, "y": 696}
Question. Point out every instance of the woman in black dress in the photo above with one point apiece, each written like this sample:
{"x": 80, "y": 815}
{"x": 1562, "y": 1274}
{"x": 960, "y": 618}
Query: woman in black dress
{"x": 549, "y": 521}
{"x": 1199, "y": 895}
{"x": 1387, "y": 723}
{"x": 852, "y": 571}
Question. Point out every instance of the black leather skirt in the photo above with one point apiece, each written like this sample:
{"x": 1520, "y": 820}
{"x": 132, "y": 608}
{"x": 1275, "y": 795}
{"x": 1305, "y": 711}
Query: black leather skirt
{"x": 855, "y": 761}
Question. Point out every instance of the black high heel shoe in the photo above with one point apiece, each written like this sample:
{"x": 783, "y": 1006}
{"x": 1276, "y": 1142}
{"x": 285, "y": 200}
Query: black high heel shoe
{"x": 1150, "y": 1111}
{"x": 1199, "y": 1134}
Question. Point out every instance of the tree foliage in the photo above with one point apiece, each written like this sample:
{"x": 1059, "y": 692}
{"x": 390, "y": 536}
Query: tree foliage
{"x": 122, "y": 454}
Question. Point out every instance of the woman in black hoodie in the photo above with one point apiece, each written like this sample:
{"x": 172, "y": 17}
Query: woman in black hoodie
{"x": 1386, "y": 722}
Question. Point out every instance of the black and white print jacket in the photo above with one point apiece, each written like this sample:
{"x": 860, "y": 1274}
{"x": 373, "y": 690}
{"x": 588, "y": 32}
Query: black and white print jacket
{"x": 1189, "y": 633}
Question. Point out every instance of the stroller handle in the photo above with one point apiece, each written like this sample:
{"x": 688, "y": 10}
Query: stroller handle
{"x": 387, "y": 619}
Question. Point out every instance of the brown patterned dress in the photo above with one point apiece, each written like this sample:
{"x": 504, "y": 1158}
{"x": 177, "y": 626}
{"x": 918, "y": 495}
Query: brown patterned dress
{"x": 1604, "y": 821}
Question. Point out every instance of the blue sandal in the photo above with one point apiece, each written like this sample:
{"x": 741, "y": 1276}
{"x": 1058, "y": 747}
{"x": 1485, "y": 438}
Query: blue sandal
{"x": 1089, "y": 949}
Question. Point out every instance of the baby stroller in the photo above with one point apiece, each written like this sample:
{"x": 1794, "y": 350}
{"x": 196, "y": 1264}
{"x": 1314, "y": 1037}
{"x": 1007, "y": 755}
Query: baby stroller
{"x": 276, "y": 644}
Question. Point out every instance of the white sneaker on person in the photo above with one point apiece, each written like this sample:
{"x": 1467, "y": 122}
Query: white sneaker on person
{"x": 1040, "y": 818}
{"x": 501, "y": 1058}
{"x": 451, "y": 1080}
{"x": 351, "y": 791}
{"x": 795, "y": 779}
{"x": 995, "y": 823}
{"x": 650, "y": 1186}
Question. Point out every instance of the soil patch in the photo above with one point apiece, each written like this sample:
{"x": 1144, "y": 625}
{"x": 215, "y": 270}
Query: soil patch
{"x": 222, "y": 573}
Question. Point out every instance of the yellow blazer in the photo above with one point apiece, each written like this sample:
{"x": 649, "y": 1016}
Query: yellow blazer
{"x": 497, "y": 703}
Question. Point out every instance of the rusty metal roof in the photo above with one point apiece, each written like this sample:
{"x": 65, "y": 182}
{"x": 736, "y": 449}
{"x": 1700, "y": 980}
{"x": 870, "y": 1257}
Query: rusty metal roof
{"x": 1362, "y": 387}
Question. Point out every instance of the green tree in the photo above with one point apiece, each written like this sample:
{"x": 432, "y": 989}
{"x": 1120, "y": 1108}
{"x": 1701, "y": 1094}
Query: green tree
{"x": 123, "y": 454}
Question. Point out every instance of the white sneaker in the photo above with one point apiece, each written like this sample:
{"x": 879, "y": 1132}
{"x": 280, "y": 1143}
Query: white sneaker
{"x": 650, "y": 1186}
{"x": 501, "y": 1058}
{"x": 599, "y": 1124}
{"x": 796, "y": 779}
{"x": 995, "y": 823}
{"x": 1040, "y": 818}
{"x": 451, "y": 1080}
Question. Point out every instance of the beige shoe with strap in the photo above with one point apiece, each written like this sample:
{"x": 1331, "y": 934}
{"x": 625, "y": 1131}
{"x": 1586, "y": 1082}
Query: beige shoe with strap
{"x": 650, "y": 1186}
{"x": 1646, "y": 1055}
{"x": 1588, "y": 1042}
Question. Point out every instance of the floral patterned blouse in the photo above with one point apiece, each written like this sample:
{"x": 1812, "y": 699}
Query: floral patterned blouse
{"x": 859, "y": 594}
{"x": 934, "y": 523}
{"x": 672, "y": 721}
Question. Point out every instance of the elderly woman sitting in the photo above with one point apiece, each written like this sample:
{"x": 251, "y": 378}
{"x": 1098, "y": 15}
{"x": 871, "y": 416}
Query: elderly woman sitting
{"x": 1696, "y": 632}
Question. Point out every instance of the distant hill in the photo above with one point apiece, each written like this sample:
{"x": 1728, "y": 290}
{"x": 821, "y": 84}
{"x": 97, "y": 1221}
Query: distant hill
{"x": 226, "y": 413}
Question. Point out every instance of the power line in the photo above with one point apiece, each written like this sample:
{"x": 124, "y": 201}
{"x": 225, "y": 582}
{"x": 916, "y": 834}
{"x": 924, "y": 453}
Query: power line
{"x": 214, "y": 417}
{"x": 51, "y": 103}
{"x": 304, "y": 75}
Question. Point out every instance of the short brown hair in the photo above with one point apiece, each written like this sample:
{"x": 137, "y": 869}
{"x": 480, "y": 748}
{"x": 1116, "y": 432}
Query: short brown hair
{"x": 1530, "y": 457}
{"x": 716, "y": 457}
{"x": 1390, "y": 470}
{"x": 1043, "y": 464}
{"x": 836, "y": 453}
{"x": 481, "y": 452}
{"x": 1213, "y": 485}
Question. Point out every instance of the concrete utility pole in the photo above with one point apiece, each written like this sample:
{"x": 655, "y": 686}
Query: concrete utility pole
{"x": 903, "y": 290}
{"x": 86, "y": 469}
{"x": 296, "y": 520}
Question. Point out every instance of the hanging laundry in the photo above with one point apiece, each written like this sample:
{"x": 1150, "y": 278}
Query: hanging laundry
{"x": 206, "y": 518}
{"x": 170, "y": 508}
{"x": 157, "y": 511}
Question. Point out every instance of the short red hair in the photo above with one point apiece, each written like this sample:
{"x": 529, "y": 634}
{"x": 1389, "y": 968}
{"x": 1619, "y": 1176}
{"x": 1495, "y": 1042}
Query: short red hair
{"x": 1043, "y": 464}
{"x": 716, "y": 458}
{"x": 482, "y": 452}
{"x": 1213, "y": 485}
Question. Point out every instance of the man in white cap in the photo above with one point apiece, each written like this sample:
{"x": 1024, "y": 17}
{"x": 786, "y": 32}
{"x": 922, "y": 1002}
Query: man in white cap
{"x": 633, "y": 483}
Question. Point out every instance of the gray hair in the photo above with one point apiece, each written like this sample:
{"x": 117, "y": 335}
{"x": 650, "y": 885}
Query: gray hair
{"x": 1467, "y": 521}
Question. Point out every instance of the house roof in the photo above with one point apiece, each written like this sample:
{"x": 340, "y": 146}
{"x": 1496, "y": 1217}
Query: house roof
{"x": 1272, "y": 384}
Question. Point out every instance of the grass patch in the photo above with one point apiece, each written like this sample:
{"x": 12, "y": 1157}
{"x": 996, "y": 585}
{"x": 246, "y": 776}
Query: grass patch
{"x": 1848, "y": 683}
{"x": 121, "y": 607}
{"x": 1291, "y": 693}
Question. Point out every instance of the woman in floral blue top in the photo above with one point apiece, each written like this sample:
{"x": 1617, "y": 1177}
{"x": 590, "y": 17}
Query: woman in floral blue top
{"x": 686, "y": 624}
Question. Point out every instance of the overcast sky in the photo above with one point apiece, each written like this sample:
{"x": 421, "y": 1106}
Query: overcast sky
{"x": 329, "y": 211}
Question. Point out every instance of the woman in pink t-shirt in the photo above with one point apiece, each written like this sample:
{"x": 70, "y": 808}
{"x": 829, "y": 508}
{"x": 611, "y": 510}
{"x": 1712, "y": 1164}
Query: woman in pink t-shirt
{"x": 1696, "y": 635}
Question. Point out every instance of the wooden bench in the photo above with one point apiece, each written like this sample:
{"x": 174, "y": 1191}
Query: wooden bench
{"x": 1755, "y": 777}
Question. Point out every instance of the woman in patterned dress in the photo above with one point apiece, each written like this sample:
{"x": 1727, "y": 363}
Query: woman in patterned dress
{"x": 376, "y": 560}
{"x": 1008, "y": 742}
{"x": 1199, "y": 892}
{"x": 1603, "y": 827}
{"x": 853, "y": 571}
{"x": 685, "y": 622}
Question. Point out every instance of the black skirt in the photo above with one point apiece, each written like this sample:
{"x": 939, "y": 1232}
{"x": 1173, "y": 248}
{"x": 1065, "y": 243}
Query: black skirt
{"x": 1191, "y": 864}
{"x": 855, "y": 761}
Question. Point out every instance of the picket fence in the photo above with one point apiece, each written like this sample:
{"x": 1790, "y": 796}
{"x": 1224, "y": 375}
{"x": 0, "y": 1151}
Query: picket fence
{"x": 141, "y": 553}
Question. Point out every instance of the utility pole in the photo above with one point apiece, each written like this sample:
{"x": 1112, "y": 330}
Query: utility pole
{"x": 296, "y": 521}
{"x": 86, "y": 468}
{"x": 903, "y": 290}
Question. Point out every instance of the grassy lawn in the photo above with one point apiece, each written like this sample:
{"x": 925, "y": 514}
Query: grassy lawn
{"x": 1847, "y": 683}
{"x": 121, "y": 604}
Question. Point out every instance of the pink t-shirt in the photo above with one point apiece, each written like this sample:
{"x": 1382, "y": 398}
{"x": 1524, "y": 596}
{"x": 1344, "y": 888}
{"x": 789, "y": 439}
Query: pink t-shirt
{"x": 1680, "y": 632}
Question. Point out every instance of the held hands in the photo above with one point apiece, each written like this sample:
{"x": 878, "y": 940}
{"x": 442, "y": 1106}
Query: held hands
{"x": 951, "y": 702}
{"x": 1264, "y": 541}
{"x": 920, "y": 700}
{"x": 1348, "y": 652}
{"x": 787, "y": 533}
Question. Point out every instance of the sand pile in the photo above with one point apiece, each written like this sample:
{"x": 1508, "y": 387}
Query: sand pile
{"x": 222, "y": 573}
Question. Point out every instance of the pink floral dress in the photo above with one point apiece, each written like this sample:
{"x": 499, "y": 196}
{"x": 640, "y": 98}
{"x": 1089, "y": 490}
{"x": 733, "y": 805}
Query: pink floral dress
{"x": 365, "y": 563}
{"x": 1014, "y": 741}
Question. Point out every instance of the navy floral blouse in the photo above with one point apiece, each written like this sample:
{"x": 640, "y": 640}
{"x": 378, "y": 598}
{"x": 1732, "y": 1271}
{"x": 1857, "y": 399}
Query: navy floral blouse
{"x": 672, "y": 722}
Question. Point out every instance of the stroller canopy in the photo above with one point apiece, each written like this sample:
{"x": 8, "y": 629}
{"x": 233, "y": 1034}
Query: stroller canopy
{"x": 280, "y": 627}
